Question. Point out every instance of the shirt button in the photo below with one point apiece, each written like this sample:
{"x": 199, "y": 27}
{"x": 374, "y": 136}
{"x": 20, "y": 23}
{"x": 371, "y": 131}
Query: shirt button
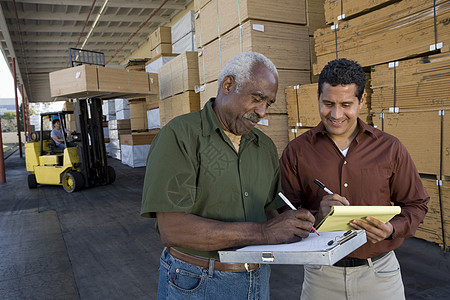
{"x": 345, "y": 184}
{"x": 345, "y": 162}
{"x": 246, "y": 194}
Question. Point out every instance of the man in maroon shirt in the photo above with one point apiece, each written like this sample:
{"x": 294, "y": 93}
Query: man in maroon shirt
{"x": 362, "y": 166}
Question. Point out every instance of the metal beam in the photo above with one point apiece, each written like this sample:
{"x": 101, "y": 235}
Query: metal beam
{"x": 73, "y": 16}
{"x": 111, "y": 3}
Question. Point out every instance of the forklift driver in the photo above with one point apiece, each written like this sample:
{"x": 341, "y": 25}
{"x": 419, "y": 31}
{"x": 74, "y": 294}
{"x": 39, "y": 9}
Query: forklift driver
{"x": 57, "y": 135}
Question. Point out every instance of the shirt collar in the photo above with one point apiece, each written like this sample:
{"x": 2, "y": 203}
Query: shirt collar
{"x": 320, "y": 130}
{"x": 211, "y": 123}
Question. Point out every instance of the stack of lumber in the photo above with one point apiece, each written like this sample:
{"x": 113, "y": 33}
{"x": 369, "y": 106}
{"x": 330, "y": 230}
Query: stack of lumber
{"x": 397, "y": 31}
{"x": 279, "y": 30}
{"x": 177, "y": 81}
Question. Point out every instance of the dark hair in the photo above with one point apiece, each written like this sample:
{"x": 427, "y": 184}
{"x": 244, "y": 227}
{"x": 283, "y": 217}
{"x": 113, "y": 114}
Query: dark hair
{"x": 54, "y": 121}
{"x": 343, "y": 71}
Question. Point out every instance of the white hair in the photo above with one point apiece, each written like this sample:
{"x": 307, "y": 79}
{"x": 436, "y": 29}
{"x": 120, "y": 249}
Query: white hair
{"x": 240, "y": 66}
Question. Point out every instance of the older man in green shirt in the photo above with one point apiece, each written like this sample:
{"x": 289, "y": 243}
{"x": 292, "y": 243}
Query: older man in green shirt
{"x": 212, "y": 181}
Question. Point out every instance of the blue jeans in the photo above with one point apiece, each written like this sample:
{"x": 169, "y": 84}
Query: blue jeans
{"x": 180, "y": 280}
{"x": 63, "y": 146}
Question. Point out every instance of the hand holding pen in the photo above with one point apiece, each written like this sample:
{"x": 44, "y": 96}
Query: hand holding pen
{"x": 332, "y": 199}
{"x": 286, "y": 200}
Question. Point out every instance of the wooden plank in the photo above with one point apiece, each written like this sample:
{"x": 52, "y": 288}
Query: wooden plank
{"x": 179, "y": 75}
{"x": 219, "y": 17}
{"x": 420, "y": 132}
{"x": 177, "y": 105}
{"x": 420, "y": 83}
{"x": 431, "y": 228}
{"x": 286, "y": 45}
{"x": 275, "y": 126}
{"x": 401, "y": 30}
{"x": 351, "y": 8}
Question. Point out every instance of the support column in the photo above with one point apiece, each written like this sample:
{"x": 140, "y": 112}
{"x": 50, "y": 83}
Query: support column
{"x": 2, "y": 157}
{"x": 17, "y": 106}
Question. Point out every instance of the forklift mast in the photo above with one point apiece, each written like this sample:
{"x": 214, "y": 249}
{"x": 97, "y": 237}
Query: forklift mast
{"x": 91, "y": 147}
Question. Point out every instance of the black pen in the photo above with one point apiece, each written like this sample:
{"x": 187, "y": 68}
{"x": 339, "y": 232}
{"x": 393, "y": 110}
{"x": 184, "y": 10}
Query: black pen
{"x": 322, "y": 186}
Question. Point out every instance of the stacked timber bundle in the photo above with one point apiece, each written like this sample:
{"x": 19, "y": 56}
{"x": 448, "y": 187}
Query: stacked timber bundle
{"x": 400, "y": 30}
{"x": 279, "y": 30}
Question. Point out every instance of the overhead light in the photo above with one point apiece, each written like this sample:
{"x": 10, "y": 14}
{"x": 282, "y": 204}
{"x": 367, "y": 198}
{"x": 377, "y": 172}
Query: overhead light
{"x": 94, "y": 24}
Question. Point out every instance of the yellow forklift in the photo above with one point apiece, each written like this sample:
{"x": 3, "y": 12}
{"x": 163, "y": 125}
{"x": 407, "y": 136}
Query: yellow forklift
{"x": 74, "y": 167}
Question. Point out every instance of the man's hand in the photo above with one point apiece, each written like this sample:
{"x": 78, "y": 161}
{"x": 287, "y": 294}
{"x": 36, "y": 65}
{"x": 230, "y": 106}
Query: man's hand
{"x": 377, "y": 231}
{"x": 290, "y": 226}
{"x": 327, "y": 202}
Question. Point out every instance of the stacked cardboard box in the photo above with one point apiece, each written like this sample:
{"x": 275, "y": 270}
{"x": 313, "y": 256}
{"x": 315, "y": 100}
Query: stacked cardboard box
{"x": 161, "y": 41}
{"x": 97, "y": 81}
{"x": 403, "y": 29}
{"x": 279, "y": 30}
{"x": 122, "y": 109}
{"x": 138, "y": 114}
{"x": 179, "y": 104}
{"x": 135, "y": 146}
{"x": 183, "y": 34}
{"x": 433, "y": 229}
{"x": 179, "y": 75}
{"x": 116, "y": 129}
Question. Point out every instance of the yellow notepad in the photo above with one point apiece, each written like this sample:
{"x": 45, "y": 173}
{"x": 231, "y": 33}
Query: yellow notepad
{"x": 340, "y": 216}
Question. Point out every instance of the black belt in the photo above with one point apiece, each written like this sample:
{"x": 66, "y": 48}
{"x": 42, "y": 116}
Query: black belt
{"x": 356, "y": 262}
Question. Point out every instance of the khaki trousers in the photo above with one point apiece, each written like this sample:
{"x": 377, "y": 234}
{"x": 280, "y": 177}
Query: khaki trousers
{"x": 380, "y": 280}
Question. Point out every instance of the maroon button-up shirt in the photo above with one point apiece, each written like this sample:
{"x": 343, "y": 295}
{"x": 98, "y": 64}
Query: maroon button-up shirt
{"x": 377, "y": 170}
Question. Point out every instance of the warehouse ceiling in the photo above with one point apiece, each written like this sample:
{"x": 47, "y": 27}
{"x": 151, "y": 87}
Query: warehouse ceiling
{"x": 38, "y": 33}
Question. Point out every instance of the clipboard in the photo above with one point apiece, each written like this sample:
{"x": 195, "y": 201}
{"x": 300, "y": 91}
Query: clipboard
{"x": 314, "y": 250}
{"x": 340, "y": 216}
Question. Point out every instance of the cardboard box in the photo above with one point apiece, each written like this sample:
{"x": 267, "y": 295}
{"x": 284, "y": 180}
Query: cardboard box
{"x": 138, "y": 115}
{"x": 219, "y": 17}
{"x": 177, "y": 105}
{"x": 179, "y": 75}
{"x": 286, "y": 45}
{"x": 186, "y": 43}
{"x": 138, "y": 138}
{"x": 183, "y": 27}
{"x": 89, "y": 81}
{"x": 162, "y": 49}
{"x": 134, "y": 155}
{"x": 420, "y": 132}
{"x": 81, "y": 80}
{"x": 152, "y": 102}
{"x": 162, "y": 35}
{"x": 276, "y": 127}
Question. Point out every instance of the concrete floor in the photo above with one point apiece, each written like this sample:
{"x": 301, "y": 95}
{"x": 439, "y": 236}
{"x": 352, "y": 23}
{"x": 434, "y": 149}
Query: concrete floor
{"x": 94, "y": 245}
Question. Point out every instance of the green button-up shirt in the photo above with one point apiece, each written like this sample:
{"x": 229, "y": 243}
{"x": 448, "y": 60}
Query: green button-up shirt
{"x": 193, "y": 167}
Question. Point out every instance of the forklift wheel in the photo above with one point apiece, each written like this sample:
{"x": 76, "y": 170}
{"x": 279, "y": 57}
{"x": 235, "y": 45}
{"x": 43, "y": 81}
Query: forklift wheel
{"x": 111, "y": 174}
{"x": 32, "y": 183}
{"x": 72, "y": 182}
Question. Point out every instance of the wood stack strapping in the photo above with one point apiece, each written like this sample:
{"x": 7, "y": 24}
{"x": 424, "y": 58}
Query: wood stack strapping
{"x": 336, "y": 10}
{"x": 431, "y": 228}
{"x": 420, "y": 83}
{"x": 420, "y": 132}
{"x": 401, "y": 30}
